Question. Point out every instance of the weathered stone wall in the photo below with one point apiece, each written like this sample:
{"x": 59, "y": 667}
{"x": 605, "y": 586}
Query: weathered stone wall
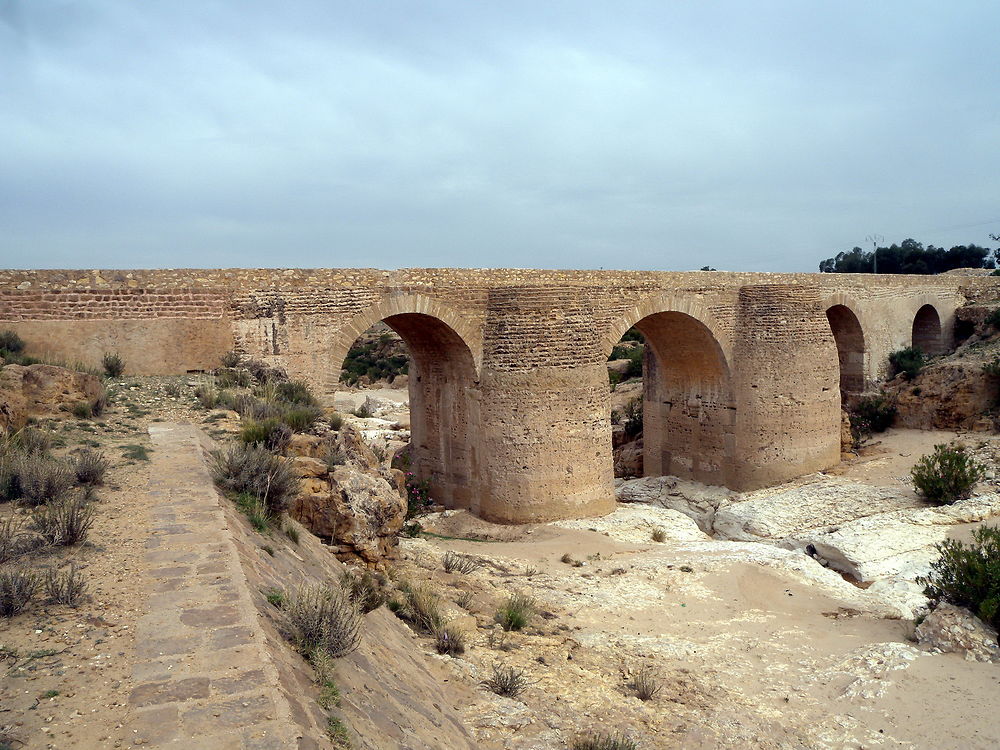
{"x": 510, "y": 394}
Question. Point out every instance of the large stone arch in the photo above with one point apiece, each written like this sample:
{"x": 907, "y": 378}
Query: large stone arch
{"x": 843, "y": 313}
{"x": 443, "y": 390}
{"x": 689, "y": 407}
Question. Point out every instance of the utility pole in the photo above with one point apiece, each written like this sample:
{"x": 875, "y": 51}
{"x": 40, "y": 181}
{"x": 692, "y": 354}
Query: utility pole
{"x": 875, "y": 239}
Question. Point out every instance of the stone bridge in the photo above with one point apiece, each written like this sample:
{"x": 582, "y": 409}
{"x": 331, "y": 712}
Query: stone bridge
{"x": 509, "y": 390}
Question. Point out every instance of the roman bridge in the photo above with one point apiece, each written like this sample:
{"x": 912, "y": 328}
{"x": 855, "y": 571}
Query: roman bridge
{"x": 508, "y": 384}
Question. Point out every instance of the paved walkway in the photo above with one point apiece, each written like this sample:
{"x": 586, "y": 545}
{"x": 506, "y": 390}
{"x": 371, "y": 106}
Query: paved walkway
{"x": 203, "y": 676}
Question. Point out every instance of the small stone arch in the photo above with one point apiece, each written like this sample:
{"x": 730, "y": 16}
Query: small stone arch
{"x": 926, "y": 333}
{"x": 842, "y": 313}
{"x": 669, "y": 303}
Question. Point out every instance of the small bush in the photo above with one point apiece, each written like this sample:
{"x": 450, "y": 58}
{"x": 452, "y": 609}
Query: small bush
{"x": 455, "y": 563}
{"x": 516, "y": 612}
{"x": 207, "y": 396}
{"x": 659, "y": 534}
{"x": 11, "y": 342}
{"x": 336, "y": 422}
{"x": 506, "y": 681}
{"x": 301, "y": 419}
{"x": 36, "y": 479}
{"x": 275, "y": 597}
{"x": 423, "y": 608}
{"x": 322, "y": 618}
{"x": 17, "y": 588}
{"x": 291, "y": 532}
{"x": 65, "y": 587}
{"x": 172, "y": 389}
{"x": 947, "y": 475}
{"x": 645, "y": 683}
{"x": 874, "y": 413}
{"x": 15, "y": 540}
{"x": 231, "y": 359}
{"x": 229, "y": 377}
{"x": 334, "y": 457}
{"x": 336, "y": 732}
{"x": 100, "y": 404}
{"x": 365, "y": 589}
{"x": 256, "y": 471}
{"x": 255, "y": 510}
{"x": 449, "y": 640}
{"x": 909, "y": 361}
{"x": 464, "y": 600}
{"x": 632, "y": 416}
{"x": 30, "y": 441}
{"x": 64, "y": 522}
{"x": 82, "y": 410}
{"x": 969, "y": 575}
{"x": 602, "y": 741}
{"x": 271, "y": 433}
{"x": 90, "y": 467}
{"x": 296, "y": 392}
{"x": 113, "y": 364}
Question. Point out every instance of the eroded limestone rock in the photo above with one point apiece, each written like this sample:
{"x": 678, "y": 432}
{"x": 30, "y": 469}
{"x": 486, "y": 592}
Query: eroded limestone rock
{"x": 39, "y": 390}
{"x": 951, "y": 629}
{"x": 697, "y": 501}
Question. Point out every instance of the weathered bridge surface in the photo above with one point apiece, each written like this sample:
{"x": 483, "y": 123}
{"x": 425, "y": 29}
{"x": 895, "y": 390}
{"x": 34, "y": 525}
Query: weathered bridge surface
{"x": 508, "y": 385}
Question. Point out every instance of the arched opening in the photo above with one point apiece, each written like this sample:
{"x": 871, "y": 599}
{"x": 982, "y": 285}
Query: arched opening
{"x": 927, "y": 331}
{"x": 850, "y": 340}
{"x": 441, "y": 382}
{"x": 688, "y": 408}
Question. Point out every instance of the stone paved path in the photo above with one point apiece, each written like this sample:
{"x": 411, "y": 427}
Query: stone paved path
{"x": 203, "y": 677}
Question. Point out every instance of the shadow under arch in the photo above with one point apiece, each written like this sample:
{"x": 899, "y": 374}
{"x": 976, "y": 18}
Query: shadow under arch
{"x": 688, "y": 404}
{"x": 925, "y": 334}
{"x": 443, "y": 392}
{"x": 849, "y": 336}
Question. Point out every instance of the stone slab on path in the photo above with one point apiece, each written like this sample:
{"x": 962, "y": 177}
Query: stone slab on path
{"x": 203, "y": 677}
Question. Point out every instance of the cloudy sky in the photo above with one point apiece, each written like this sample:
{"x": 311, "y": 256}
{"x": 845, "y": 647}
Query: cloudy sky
{"x": 396, "y": 133}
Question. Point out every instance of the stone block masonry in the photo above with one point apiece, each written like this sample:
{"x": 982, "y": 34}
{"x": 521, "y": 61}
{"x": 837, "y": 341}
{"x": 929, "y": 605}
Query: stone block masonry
{"x": 745, "y": 372}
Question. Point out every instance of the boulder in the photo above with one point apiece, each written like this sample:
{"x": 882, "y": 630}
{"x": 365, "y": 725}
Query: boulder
{"x": 43, "y": 390}
{"x": 358, "y": 511}
{"x": 628, "y": 459}
{"x": 306, "y": 445}
{"x": 950, "y": 629}
{"x": 697, "y": 501}
{"x": 309, "y": 467}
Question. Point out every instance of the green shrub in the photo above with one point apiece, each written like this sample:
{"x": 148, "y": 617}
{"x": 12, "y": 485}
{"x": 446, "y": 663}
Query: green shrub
{"x": 17, "y": 588}
{"x": 134, "y": 452}
{"x": 255, "y": 510}
{"x": 275, "y": 597}
{"x": 947, "y": 475}
{"x": 872, "y": 414}
{"x": 31, "y": 441}
{"x": 602, "y": 741}
{"x": 455, "y": 563}
{"x": 296, "y": 392}
{"x": 968, "y": 575}
{"x": 113, "y": 364}
{"x": 645, "y": 683}
{"x": 16, "y": 540}
{"x": 302, "y": 418}
{"x": 255, "y": 470}
{"x": 323, "y": 618}
{"x": 11, "y": 342}
{"x": 993, "y": 319}
{"x": 909, "y": 361}
{"x": 336, "y": 422}
{"x": 516, "y": 612}
{"x": 271, "y": 433}
{"x": 82, "y": 410}
{"x": 231, "y": 359}
{"x": 207, "y": 396}
{"x": 230, "y": 377}
{"x": 632, "y": 416}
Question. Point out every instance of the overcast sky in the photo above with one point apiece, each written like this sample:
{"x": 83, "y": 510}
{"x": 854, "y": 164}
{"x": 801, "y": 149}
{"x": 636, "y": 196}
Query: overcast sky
{"x": 639, "y": 135}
